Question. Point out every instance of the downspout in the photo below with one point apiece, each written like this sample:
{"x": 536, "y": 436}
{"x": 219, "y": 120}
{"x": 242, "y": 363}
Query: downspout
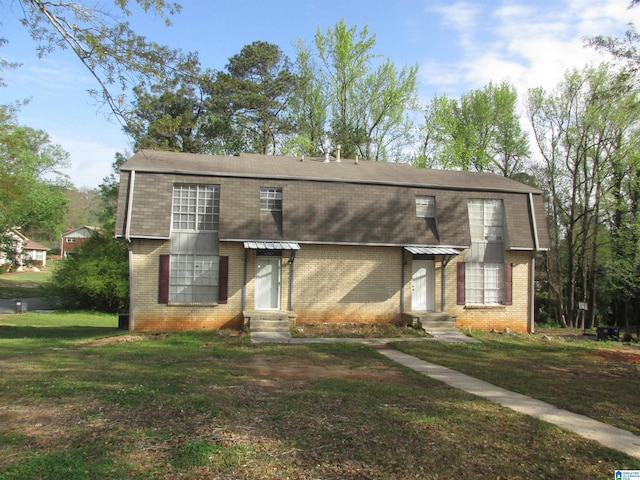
{"x": 127, "y": 236}
{"x": 292, "y": 259}
{"x": 244, "y": 282}
{"x": 402, "y": 265}
{"x": 532, "y": 267}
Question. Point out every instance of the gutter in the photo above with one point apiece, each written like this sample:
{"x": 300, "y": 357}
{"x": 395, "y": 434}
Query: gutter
{"x": 127, "y": 236}
{"x": 532, "y": 267}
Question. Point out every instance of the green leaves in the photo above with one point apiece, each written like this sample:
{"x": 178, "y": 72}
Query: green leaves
{"x": 31, "y": 195}
{"x": 481, "y": 131}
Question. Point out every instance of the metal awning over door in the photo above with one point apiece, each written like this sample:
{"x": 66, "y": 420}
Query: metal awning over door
{"x": 251, "y": 245}
{"x": 432, "y": 251}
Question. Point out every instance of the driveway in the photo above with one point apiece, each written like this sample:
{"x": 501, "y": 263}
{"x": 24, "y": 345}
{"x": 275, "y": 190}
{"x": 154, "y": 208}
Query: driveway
{"x": 8, "y": 305}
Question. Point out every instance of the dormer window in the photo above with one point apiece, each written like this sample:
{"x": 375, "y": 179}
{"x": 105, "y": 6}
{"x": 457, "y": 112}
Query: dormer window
{"x": 425, "y": 206}
{"x": 271, "y": 199}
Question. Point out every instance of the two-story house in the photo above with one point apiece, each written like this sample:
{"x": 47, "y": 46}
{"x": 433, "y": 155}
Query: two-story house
{"x": 324, "y": 240}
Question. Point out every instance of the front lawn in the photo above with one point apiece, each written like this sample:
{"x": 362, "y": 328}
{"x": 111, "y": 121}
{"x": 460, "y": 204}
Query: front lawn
{"x": 598, "y": 379}
{"x": 27, "y": 284}
{"x": 102, "y": 403}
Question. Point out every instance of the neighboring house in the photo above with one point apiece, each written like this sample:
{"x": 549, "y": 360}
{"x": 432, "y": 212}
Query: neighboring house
{"x": 74, "y": 238}
{"x": 23, "y": 251}
{"x": 213, "y": 238}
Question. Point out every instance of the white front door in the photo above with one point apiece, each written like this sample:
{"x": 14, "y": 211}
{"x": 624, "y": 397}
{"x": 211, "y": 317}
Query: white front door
{"x": 268, "y": 283}
{"x": 423, "y": 286}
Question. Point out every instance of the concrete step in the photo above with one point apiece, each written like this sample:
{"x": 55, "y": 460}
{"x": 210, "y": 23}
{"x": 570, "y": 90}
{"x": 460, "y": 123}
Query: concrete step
{"x": 270, "y": 337}
{"x": 268, "y": 325}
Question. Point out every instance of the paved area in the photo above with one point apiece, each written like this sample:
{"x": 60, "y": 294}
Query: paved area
{"x": 8, "y": 305}
{"x": 606, "y": 435}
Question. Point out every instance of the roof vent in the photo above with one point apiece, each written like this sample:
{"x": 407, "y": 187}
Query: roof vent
{"x": 302, "y": 158}
{"x": 326, "y": 156}
{"x": 356, "y": 159}
{"x": 338, "y": 148}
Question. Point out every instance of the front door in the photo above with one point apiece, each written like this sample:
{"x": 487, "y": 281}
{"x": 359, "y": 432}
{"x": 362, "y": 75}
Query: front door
{"x": 423, "y": 286}
{"x": 268, "y": 283}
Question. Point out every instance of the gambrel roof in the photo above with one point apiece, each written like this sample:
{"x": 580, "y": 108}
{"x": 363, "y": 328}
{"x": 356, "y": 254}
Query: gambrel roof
{"x": 346, "y": 202}
{"x": 300, "y": 168}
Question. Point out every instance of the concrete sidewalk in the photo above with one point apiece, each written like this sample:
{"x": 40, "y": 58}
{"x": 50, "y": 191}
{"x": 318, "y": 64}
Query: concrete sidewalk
{"x": 606, "y": 435}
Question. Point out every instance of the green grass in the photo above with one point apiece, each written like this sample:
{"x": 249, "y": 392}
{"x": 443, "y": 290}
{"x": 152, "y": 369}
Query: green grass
{"x": 27, "y": 284}
{"x": 207, "y": 405}
{"x": 586, "y": 377}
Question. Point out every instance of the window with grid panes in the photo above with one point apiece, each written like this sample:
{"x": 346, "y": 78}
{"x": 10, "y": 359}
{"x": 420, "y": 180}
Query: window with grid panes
{"x": 194, "y": 263}
{"x": 195, "y": 207}
{"x": 271, "y": 199}
{"x": 425, "y": 206}
{"x": 484, "y": 261}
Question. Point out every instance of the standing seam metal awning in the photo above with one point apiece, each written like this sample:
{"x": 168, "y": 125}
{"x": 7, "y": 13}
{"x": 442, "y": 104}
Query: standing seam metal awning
{"x": 432, "y": 251}
{"x": 271, "y": 245}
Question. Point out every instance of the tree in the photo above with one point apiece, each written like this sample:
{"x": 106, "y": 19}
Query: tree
{"x": 173, "y": 115}
{"x": 31, "y": 187}
{"x": 366, "y": 106}
{"x": 97, "y": 276}
{"x": 255, "y": 91}
{"x": 586, "y": 132}
{"x": 114, "y": 55}
{"x": 480, "y": 131}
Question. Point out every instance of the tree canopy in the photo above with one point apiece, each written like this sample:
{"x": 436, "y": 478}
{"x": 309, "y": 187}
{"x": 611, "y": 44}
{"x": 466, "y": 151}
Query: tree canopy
{"x": 31, "y": 185}
{"x": 103, "y": 41}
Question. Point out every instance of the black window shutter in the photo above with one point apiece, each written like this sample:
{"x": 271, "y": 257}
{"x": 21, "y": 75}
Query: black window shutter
{"x": 460, "y": 284}
{"x": 223, "y": 280}
{"x": 508, "y": 283}
{"x": 163, "y": 282}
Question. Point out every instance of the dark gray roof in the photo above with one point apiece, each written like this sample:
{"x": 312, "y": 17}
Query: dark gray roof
{"x": 347, "y": 170}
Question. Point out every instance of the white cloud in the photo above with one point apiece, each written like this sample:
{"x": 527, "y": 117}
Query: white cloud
{"x": 90, "y": 160}
{"x": 530, "y": 45}
{"x": 462, "y": 17}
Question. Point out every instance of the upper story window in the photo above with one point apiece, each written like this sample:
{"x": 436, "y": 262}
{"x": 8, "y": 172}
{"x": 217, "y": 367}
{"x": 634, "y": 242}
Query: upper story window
{"x": 271, "y": 199}
{"x": 196, "y": 207}
{"x": 425, "y": 206}
{"x": 486, "y": 220}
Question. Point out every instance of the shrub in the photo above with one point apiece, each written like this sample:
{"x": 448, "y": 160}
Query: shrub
{"x": 96, "y": 277}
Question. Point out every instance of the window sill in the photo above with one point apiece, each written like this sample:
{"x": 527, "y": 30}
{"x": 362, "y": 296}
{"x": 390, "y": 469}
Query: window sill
{"x": 493, "y": 306}
{"x": 194, "y": 304}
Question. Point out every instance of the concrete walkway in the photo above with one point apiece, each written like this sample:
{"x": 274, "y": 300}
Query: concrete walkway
{"x": 602, "y": 433}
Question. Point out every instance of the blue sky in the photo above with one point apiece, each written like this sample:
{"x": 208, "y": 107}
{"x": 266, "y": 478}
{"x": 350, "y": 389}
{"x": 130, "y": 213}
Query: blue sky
{"x": 459, "y": 46}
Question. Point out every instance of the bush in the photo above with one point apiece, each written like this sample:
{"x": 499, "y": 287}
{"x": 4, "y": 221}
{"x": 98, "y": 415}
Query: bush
{"x": 96, "y": 277}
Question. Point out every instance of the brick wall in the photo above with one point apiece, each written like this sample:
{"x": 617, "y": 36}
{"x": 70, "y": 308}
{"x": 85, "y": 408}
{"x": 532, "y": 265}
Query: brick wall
{"x": 347, "y": 284}
{"x": 149, "y": 315}
{"x": 331, "y": 284}
{"x": 515, "y": 316}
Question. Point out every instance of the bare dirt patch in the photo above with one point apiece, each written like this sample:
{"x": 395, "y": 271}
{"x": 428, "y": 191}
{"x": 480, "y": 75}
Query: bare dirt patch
{"x": 119, "y": 339}
{"x": 266, "y": 367}
{"x": 620, "y": 355}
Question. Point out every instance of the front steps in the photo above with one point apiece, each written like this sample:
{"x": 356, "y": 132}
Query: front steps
{"x": 441, "y": 325}
{"x": 269, "y": 325}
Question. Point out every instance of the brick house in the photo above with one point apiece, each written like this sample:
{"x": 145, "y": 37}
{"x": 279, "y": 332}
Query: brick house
{"x": 215, "y": 238}
{"x": 74, "y": 238}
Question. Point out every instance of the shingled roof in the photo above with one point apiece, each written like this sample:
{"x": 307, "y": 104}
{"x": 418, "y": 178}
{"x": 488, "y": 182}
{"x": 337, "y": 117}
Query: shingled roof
{"x": 344, "y": 171}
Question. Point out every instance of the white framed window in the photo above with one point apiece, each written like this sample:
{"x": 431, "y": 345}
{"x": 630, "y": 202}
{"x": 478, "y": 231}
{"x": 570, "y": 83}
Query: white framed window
{"x": 70, "y": 240}
{"x": 193, "y": 278}
{"x": 484, "y": 283}
{"x": 486, "y": 220}
{"x": 484, "y": 267}
{"x": 271, "y": 199}
{"x": 194, "y": 261}
{"x": 196, "y": 207}
{"x": 425, "y": 206}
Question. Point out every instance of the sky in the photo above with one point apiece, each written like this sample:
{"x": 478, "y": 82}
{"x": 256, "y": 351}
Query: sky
{"x": 458, "y": 46}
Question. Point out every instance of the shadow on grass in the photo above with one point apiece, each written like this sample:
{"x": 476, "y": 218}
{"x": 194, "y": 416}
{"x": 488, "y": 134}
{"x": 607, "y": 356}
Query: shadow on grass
{"x": 56, "y": 333}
